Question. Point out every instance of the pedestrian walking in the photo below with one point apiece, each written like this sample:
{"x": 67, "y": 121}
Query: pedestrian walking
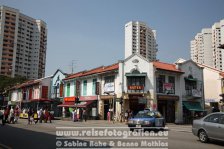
{"x": 126, "y": 116}
{"x": 74, "y": 115}
{"x": 17, "y": 114}
{"x": 2, "y": 117}
{"x": 84, "y": 114}
{"x": 11, "y": 115}
{"x": 40, "y": 115}
{"x": 81, "y": 114}
{"x": 130, "y": 114}
{"x": 6, "y": 115}
{"x": 30, "y": 113}
{"x": 46, "y": 114}
{"x": 35, "y": 116}
{"x": 108, "y": 116}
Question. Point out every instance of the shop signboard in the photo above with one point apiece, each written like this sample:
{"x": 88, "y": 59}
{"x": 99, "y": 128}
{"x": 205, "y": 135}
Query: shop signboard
{"x": 135, "y": 87}
{"x": 77, "y": 88}
{"x": 168, "y": 86}
{"x": 142, "y": 100}
{"x": 109, "y": 87}
{"x": 196, "y": 93}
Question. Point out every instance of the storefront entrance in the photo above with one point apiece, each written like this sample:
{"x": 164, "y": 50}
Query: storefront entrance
{"x": 135, "y": 104}
{"x": 167, "y": 109}
{"x": 106, "y": 108}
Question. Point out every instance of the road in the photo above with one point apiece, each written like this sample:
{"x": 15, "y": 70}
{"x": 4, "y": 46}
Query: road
{"x": 21, "y": 135}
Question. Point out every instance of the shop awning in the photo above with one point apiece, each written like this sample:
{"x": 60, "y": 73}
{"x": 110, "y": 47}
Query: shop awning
{"x": 193, "y": 106}
{"x": 82, "y": 104}
{"x": 41, "y": 100}
{"x": 67, "y": 104}
{"x": 190, "y": 79}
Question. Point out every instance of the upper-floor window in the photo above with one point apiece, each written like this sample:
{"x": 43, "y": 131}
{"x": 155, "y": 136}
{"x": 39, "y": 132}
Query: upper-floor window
{"x": 136, "y": 81}
{"x": 44, "y": 91}
{"x": 160, "y": 80}
{"x": 84, "y": 87}
{"x": 61, "y": 90}
{"x": 74, "y": 88}
{"x": 165, "y": 84}
{"x": 189, "y": 85}
{"x": 68, "y": 90}
{"x": 94, "y": 87}
{"x": 109, "y": 79}
{"x": 171, "y": 80}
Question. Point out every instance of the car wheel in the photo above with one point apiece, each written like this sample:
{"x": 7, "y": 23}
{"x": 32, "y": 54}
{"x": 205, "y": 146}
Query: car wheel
{"x": 203, "y": 136}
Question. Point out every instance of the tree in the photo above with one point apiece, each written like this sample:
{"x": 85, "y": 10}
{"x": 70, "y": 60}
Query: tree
{"x": 8, "y": 82}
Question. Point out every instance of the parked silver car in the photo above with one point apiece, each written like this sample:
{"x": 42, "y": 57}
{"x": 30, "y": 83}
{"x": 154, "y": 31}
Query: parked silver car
{"x": 209, "y": 127}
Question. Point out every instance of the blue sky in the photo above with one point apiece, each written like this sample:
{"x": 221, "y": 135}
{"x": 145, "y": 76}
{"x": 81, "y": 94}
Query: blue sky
{"x": 91, "y": 32}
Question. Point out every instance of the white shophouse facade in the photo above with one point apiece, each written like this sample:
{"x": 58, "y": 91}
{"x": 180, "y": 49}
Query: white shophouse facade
{"x": 213, "y": 83}
{"x": 176, "y": 90}
{"x": 192, "y": 89}
{"x": 31, "y": 92}
{"x": 138, "y": 81}
{"x": 95, "y": 90}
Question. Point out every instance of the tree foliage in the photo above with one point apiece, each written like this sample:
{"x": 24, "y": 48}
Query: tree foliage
{"x": 8, "y": 82}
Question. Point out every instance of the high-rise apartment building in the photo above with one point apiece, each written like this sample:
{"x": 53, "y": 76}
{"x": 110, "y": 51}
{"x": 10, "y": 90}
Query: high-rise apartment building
{"x": 23, "y": 44}
{"x": 201, "y": 47}
{"x": 205, "y": 46}
{"x": 139, "y": 38}
{"x": 217, "y": 40}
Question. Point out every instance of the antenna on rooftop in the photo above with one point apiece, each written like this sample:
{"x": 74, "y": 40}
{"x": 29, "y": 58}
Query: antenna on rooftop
{"x": 73, "y": 65}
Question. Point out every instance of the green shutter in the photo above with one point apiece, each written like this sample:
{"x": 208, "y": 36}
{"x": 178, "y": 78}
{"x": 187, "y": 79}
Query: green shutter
{"x": 68, "y": 89}
{"x": 75, "y": 88}
{"x": 85, "y": 87}
{"x": 94, "y": 87}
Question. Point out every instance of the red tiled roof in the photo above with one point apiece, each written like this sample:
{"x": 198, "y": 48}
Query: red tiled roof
{"x": 31, "y": 82}
{"x": 166, "y": 66}
{"x": 27, "y": 83}
{"x": 220, "y": 72}
{"x": 101, "y": 69}
{"x": 203, "y": 65}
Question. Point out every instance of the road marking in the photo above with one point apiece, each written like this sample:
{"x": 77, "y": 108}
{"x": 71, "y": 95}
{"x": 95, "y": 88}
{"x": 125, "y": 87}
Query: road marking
{"x": 181, "y": 130}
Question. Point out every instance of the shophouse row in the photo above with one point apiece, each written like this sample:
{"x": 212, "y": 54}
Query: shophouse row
{"x": 178, "y": 90}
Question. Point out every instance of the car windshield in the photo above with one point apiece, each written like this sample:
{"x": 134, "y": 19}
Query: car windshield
{"x": 145, "y": 114}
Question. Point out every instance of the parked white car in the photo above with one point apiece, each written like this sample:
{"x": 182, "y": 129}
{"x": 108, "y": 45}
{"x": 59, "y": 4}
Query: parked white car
{"x": 209, "y": 127}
